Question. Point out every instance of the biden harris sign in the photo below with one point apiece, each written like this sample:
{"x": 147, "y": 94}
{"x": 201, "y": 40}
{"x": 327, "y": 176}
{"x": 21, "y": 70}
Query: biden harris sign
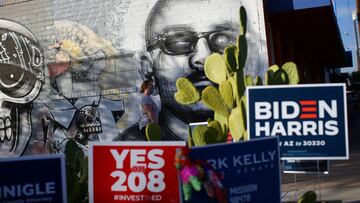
{"x": 311, "y": 120}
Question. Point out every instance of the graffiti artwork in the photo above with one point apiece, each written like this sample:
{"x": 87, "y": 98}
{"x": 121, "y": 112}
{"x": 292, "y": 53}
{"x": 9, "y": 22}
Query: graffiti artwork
{"x": 177, "y": 46}
{"x": 21, "y": 79}
{"x": 83, "y": 82}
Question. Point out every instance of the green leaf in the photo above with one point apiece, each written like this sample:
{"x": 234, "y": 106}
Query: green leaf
{"x": 291, "y": 69}
{"x": 187, "y": 93}
{"x": 215, "y": 68}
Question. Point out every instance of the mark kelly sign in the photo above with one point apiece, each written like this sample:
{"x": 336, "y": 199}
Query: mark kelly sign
{"x": 311, "y": 120}
{"x": 133, "y": 172}
{"x": 249, "y": 171}
{"x": 38, "y": 178}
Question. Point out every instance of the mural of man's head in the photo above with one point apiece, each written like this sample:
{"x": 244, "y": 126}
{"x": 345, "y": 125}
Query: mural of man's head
{"x": 21, "y": 79}
{"x": 180, "y": 34}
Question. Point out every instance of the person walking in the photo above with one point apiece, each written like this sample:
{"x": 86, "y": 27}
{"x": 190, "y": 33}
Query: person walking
{"x": 149, "y": 110}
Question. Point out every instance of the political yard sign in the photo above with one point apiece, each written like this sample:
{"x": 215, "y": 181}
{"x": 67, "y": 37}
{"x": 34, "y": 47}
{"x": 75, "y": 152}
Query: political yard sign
{"x": 306, "y": 166}
{"x": 39, "y": 178}
{"x": 133, "y": 172}
{"x": 311, "y": 120}
{"x": 248, "y": 171}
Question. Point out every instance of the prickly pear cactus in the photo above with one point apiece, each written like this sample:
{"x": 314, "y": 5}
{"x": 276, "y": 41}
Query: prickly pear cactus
{"x": 229, "y": 100}
{"x": 231, "y": 58}
{"x": 224, "y": 122}
{"x": 212, "y": 98}
{"x": 258, "y": 81}
{"x": 220, "y": 134}
{"x": 242, "y": 51}
{"x": 237, "y": 122}
{"x": 76, "y": 172}
{"x": 153, "y": 132}
{"x": 226, "y": 92}
{"x": 203, "y": 135}
{"x": 215, "y": 68}
{"x": 291, "y": 70}
{"x": 187, "y": 93}
{"x": 308, "y": 197}
{"x": 248, "y": 80}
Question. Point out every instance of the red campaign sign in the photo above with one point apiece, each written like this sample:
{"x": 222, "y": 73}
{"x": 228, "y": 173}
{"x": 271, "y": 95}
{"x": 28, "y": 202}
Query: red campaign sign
{"x": 133, "y": 172}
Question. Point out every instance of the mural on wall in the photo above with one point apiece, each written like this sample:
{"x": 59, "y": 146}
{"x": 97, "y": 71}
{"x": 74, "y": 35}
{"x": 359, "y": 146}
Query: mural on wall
{"x": 21, "y": 79}
{"x": 114, "y": 24}
{"x": 89, "y": 88}
{"x": 79, "y": 108}
{"x": 177, "y": 45}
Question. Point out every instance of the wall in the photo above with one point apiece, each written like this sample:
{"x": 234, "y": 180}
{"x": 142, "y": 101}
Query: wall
{"x": 96, "y": 53}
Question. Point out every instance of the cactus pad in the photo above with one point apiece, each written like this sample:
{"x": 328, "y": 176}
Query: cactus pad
{"x": 212, "y": 98}
{"x": 226, "y": 92}
{"x": 248, "y": 80}
{"x": 281, "y": 77}
{"x": 238, "y": 85}
{"x": 242, "y": 51}
{"x": 269, "y": 77}
{"x": 243, "y": 20}
{"x": 223, "y": 121}
{"x": 215, "y": 68}
{"x": 217, "y": 126}
{"x": 190, "y": 141}
{"x": 203, "y": 135}
{"x": 187, "y": 93}
{"x": 237, "y": 123}
{"x": 291, "y": 70}
{"x": 230, "y": 56}
{"x": 153, "y": 132}
{"x": 308, "y": 197}
{"x": 258, "y": 81}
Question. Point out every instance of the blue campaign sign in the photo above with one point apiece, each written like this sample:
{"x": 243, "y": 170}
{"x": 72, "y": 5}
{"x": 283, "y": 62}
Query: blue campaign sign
{"x": 311, "y": 120}
{"x": 250, "y": 170}
{"x": 33, "y": 179}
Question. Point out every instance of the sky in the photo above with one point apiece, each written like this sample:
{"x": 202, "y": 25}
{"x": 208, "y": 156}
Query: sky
{"x": 343, "y": 10}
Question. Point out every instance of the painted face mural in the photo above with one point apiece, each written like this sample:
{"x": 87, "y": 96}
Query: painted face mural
{"x": 179, "y": 45}
{"x": 22, "y": 76}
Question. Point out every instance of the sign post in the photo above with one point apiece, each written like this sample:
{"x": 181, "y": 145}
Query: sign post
{"x": 133, "y": 172}
{"x": 311, "y": 120}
